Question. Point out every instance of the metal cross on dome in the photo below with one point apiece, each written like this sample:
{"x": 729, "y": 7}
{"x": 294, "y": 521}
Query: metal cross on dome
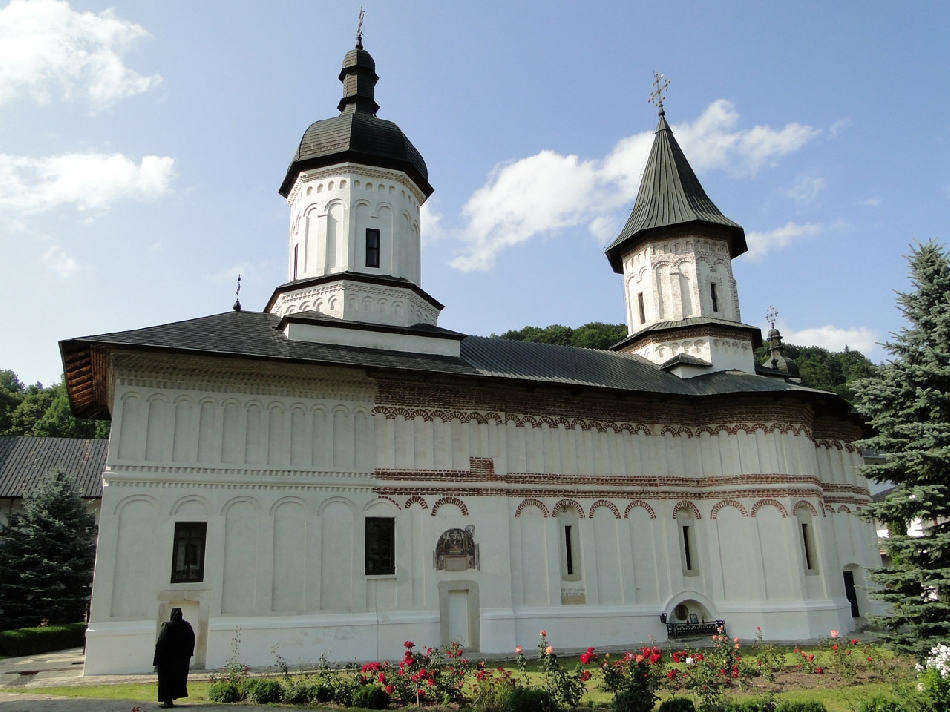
{"x": 660, "y": 83}
{"x": 771, "y": 316}
{"x": 359, "y": 30}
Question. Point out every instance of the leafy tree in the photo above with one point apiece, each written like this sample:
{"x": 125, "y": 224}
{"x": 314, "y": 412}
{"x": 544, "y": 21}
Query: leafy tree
{"x": 46, "y": 557}
{"x": 908, "y": 405}
{"x": 11, "y": 393}
{"x": 36, "y": 401}
{"x": 58, "y": 421}
{"x": 595, "y": 335}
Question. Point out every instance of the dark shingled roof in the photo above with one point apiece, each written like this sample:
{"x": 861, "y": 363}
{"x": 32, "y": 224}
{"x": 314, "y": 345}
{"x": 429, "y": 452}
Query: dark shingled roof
{"x": 25, "y": 462}
{"x": 670, "y": 194}
{"x": 256, "y": 335}
{"x": 357, "y": 135}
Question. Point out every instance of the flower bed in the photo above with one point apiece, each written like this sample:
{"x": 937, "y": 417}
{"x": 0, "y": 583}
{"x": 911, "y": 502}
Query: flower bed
{"x": 721, "y": 676}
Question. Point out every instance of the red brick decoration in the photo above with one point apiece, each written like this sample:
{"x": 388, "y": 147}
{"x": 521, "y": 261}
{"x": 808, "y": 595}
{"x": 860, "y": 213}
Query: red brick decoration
{"x": 770, "y": 502}
{"x": 565, "y": 504}
{"x": 482, "y": 466}
{"x": 416, "y": 499}
{"x": 604, "y": 503}
{"x": 532, "y": 503}
{"x": 683, "y": 504}
{"x": 674, "y": 430}
{"x": 728, "y": 503}
{"x": 807, "y": 505}
{"x": 639, "y": 503}
{"x": 450, "y": 500}
{"x": 844, "y": 508}
{"x": 390, "y": 499}
{"x": 828, "y": 508}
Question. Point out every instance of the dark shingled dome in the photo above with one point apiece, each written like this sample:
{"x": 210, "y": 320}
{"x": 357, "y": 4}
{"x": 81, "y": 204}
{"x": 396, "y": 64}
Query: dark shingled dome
{"x": 357, "y": 135}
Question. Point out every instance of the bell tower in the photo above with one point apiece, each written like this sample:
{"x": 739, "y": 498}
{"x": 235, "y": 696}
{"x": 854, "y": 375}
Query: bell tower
{"x": 675, "y": 253}
{"x": 355, "y": 186}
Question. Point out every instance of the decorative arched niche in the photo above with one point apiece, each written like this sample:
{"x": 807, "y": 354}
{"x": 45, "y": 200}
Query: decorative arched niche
{"x": 456, "y": 550}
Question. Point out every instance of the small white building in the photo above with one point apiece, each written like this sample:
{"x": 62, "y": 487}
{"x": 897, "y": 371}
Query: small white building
{"x": 339, "y": 474}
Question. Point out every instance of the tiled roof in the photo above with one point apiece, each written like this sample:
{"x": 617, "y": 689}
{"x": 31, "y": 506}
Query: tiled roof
{"x": 670, "y": 194}
{"x": 256, "y": 335}
{"x": 25, "y": 462}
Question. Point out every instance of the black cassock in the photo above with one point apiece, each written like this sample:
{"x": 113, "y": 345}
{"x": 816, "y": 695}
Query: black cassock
{"x": 173, "y": 651}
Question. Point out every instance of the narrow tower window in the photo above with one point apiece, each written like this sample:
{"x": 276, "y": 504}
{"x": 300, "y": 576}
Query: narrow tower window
{"x": 372, "y": 247}
{"x": 807, "y": 546}
{"x": 715, "y": 298}
{"x": 570, "y": 553}
{"x": 643, "y": 311}
{"x": 296, "y": 250}
{"x": 686, "y": 552}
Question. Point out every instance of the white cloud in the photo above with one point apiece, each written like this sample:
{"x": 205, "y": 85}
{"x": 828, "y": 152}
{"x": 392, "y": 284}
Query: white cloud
{"x": 806, "y": 188}
{"x": 870, "y": 202}
{"x": 47, "y": 47}
{"x": 537, "y": 195}
{"x": 59, "y": 262}
{"x": 762, "y": 242}
{"x": 834, "y": 339}
{"x": 430, "y": 223}
{"x": 712, "y": 141}
{"x": 85, "y": 180}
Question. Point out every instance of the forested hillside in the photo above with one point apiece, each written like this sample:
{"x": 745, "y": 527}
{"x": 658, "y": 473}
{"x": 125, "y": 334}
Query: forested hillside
{"x": 833, "y": 371}
{"x": 42, "y": 411}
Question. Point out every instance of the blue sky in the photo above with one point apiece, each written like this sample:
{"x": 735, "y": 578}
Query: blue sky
{"x": 142, "y": 145}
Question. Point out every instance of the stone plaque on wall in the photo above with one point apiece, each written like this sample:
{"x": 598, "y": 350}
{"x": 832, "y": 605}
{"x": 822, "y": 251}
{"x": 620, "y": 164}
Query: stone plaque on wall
{"x": 456, "y": 550}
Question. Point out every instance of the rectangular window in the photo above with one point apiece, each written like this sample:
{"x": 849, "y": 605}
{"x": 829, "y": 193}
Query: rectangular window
{"x": 296, "y": 249}
{"x": 570, "y": 553}
{"x": 715, "y": 298}
{"x": 372, "y": 247}
{"x": 380, "y": 546}
{"x": 643, "y": 311}
{"x": 686, "y": 552}
{"x": 188, "y": 552}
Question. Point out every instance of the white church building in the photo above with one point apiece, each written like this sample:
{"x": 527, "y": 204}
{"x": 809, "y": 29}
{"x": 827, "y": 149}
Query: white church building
{"x": 339, "y": 474}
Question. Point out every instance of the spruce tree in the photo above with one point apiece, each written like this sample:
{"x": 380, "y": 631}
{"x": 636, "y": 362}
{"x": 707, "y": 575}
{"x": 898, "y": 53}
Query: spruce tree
{"x": 908, "y": 406}
{"x": 46, "y": 557}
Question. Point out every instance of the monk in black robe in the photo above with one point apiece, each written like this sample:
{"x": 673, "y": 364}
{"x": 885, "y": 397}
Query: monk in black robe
{"x": 173, "y": 651}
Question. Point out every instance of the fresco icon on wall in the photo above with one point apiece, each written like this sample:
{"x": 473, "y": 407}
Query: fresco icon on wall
{"x": 457, "y": 550}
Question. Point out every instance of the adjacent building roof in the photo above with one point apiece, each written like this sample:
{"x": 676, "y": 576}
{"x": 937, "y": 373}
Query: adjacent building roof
{"x": 357, "y": 135}
{"x": 258, "y": 335}
{"x": 670, "y": 194}
{"x": 26, "y": 461}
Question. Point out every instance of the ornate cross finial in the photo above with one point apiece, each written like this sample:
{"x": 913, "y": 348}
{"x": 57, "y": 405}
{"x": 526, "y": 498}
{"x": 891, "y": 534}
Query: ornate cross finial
{"x": 237, "y": 296}
{"x": 660, "y": 83}
{"x": 771, "y": 316}
{"x": 359, "y": 30}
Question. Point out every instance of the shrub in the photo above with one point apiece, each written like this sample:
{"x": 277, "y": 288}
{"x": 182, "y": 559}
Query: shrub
{"x": 677, "y": 704}
{"x": 801, "y": 707}
{"x": 371, "y": 697}
{"x": 296, "y": 692}
{"x": 225, "y": 691}
{"x": 262, "y": 691}
{"x": 882, "y": 704}
{"x": 32, "y": 641}
{"x": 320, "y": 692}
{"x": 763, "y": 704}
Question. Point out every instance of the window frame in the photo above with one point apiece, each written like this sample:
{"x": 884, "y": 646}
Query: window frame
{"x": 643, "y": 309}
{"x": 373, "y": 247}
{"x": 714, "y": 296}
{"x": 188, "y": 533}
{"x": 375, "y": 564}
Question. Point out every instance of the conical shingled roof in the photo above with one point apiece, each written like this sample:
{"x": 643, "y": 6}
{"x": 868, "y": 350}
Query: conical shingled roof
{"x": 670, "y": 194}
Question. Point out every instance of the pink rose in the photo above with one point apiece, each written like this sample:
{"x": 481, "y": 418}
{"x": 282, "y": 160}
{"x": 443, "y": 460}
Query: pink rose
{"x": 544, "y": 634}
{"x": 549, "y": 650}
{"x": 518, "y": 650}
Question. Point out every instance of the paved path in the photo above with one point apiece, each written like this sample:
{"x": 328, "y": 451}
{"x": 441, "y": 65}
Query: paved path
{"x": 64, "y": 668}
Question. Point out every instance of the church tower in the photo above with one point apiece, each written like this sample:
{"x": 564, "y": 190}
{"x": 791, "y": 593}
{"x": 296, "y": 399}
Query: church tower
{"x": 355, "y": 187}
{"x": 675, "y": 254}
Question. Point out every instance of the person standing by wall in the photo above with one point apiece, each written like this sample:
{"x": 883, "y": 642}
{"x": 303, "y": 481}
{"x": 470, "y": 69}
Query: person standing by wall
{"x": 173, "y": 651}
